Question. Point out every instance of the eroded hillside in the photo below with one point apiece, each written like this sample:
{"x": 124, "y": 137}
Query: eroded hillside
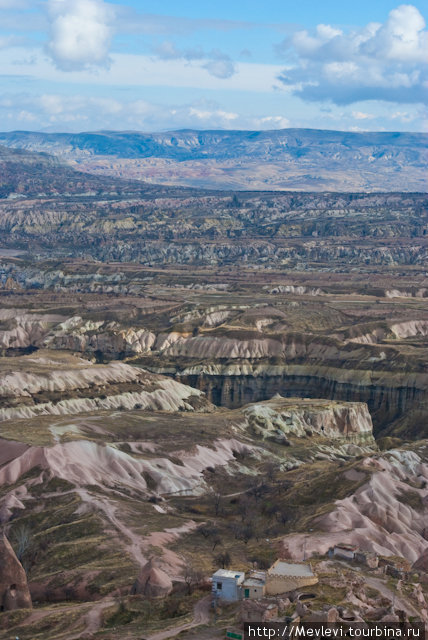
{"x": 233, "y": 337}
{"x": 194, "y": 380}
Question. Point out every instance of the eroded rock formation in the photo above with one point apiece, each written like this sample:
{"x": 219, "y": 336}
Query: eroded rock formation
{"x": 152, "y": 581}
{"x": 14, "y": 591}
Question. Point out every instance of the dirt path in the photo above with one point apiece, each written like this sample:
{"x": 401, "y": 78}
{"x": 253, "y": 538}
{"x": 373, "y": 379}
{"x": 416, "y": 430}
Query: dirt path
{"x": 201, "y": 615}
{"x": 108, "y": 508}
{"x": 38, "y": 614}
{"x": 92, "y": 619}
{"x": 400, "y": 602}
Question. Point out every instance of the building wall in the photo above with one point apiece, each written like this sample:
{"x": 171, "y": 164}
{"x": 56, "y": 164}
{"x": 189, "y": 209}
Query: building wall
{"x": 282, "y": 584}
{"x": 230, "y": 592}
{"x": 369, "y": 559}
{"x": 344, "y": 553}
{"x": 255, "y": 592}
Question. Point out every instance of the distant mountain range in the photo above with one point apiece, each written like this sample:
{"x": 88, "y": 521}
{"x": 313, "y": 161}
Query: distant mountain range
{"x": 32, "y": 174}
{"x": 296, "y": 159}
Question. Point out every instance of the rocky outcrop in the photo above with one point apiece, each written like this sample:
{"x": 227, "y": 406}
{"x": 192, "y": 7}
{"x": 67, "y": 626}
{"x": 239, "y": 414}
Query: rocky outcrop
{"x": 421, "y": 563}
{"x": 70, "y": 385}
{"x": 14, "y": 591}
{"x": 169, "y": 396}
{"x": 349, "y": 422}
{"x": 262, "y": 229}
{"x": 238, "y": 363}
{"x": 78, "y": 375}
{"x": 388, "y": 395}
{"x": 152, "y": 582}
{"x": 294, "y": 289}
{"x": 412, "y": 328}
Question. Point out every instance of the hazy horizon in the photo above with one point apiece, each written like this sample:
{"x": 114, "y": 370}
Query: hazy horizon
{"x": 209, "y": 129}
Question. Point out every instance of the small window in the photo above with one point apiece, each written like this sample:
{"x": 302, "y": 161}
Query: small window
{"x": 219, "y": 586}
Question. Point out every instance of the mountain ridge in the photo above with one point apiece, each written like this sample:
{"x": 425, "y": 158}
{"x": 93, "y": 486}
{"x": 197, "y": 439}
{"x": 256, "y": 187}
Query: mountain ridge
{"x": 286, "y": 159}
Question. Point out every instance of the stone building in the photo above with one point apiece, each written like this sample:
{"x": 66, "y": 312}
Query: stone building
{"x": 254, "y": 585}
{"x": 368, "y": 558}
{"x": 345, "y": 551}
{"x": 283, "y": 577}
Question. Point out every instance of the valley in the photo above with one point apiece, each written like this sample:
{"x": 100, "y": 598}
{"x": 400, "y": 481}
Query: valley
{"x": 200, "y": 380}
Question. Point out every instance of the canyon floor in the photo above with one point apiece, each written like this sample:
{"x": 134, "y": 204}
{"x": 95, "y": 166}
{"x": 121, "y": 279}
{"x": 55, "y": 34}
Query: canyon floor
{"x": 205, "y": 380}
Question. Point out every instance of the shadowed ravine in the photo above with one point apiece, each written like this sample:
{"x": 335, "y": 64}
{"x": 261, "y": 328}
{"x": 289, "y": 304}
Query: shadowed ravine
{"x": 387, "y": 404}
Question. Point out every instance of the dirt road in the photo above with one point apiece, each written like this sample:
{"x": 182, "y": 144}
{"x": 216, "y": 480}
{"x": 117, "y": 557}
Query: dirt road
{"x": 201, "y": 615}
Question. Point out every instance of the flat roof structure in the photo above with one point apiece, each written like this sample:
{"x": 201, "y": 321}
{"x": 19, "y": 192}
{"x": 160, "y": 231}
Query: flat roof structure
{"x": 344, "y": 545}
{"x": 227, "y": 573}
{"x": 294, "y": 570}
{"x": 254, "y": 582}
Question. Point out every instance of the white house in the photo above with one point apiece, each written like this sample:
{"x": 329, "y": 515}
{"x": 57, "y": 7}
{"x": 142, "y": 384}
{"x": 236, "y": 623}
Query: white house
{"x": 227, "y": 585}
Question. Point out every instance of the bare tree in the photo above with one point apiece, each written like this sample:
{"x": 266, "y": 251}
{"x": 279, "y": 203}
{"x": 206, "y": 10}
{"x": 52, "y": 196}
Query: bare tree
{"x": 223, "y": 559}
{"x": 247, "y": 532}
{"x": 258, "y": 488}
{"x": 217, "y": 540}
{"x": 207, "y": 530}
{"x": 216, "y": 501}
{"x": 23, "y": 542}
{"x": 245, "y": 506}
{"x": 272, "y": 469}
{"x": 282, "y": 516}
{"x": 191, "y": 577}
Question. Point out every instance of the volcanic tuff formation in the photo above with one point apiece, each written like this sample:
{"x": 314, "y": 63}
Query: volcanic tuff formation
{"x": 266, "y": 340}
{"x": 53, "y": 384}
{"x": 152, "y": 582}
{"x": 377, "y": 517}
{"x": 14, "y": 592}
{"x": 270, "y": 400}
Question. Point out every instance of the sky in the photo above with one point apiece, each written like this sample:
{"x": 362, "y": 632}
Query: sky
{"x": 84, "y": 65}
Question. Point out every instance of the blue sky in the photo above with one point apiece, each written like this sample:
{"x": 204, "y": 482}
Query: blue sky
{"x": 79, "y": 65}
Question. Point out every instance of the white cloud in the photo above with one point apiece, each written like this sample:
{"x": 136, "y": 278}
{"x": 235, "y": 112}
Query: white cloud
{"x": 403, "y": 116}
{"x": 218, "y": 114}
{"x": 220, "y": 68}
{"x": 217, "y": 63}
{"x": 386, "y": 61}
{"x": 272, "y": 122}
{"x": 361, "y": 115}
{"x": 167, "y": 50}
{"x": 7, "y": 41}
{"x": 403, "y": 37}
{"x": 140, "y": 70}
{"x": 54, "y": 112}
{"x": 80, "y": 33}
